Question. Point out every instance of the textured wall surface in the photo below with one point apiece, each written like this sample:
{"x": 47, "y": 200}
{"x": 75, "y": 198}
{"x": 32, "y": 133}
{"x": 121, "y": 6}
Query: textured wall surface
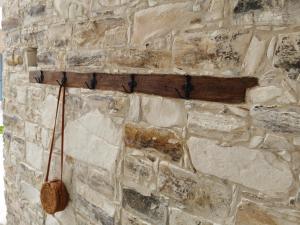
{"x": 145, "y": 160}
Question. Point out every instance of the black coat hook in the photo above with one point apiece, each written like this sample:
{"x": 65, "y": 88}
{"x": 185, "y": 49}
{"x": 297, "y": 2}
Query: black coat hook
{"x": 40, "y": 79}
{"x": 92, "y": 83}
{"x": 132, "y": 84}
{"x": 63, "y": 80}
{"x": 187, "y": 88}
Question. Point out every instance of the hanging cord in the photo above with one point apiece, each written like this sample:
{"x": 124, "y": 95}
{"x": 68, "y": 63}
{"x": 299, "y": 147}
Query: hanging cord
{"x": 61, "y": 89}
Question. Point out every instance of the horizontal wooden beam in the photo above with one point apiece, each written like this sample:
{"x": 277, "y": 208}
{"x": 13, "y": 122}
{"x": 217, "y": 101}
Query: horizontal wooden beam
{"x": 207, "y": 88}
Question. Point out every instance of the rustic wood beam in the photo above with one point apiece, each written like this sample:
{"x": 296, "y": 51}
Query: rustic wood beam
{"x": 207, "y": 88}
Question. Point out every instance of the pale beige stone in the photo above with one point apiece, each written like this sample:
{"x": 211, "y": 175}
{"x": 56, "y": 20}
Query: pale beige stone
{"x": 179, "y": 217}
{"x": 48, "y": 111}
{"x": 250, "y": 213}
{"x": 160, "y": 20}
{"x": 212, "y": 121}
{"x": 277, "y": 143}
{"x": 131, "y": 219}
{"x": 134, "y": 108}
{"x": 264, "y": 94}
{"x": 254, "y": 55}
{"x": 34, "y": 155}
{"x": 163, "y": 112}
{"x": 271, "y": 48}
{"x": 30, "y": 193}
{"x": 253, "y": 168}
{"x": 95, "y": 139}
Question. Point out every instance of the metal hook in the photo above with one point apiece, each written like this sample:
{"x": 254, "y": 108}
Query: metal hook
{"x": 187, "y": 87}
{"x": 93, "y": 83}
{"x": 40, "y": 79}
{"x": 63, "y": 80}
{"x": 132, "y": 84}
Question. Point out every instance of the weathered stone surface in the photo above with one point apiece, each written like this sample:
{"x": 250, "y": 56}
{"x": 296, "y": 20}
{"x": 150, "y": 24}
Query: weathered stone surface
{"x": 59, "y": 36}
{"x": 164, "y": 141}
{"x": 261, "y": 12}
{"x": 250, "y": 213}
{"x": 287, "y": 53}
{"x": 134, "y": 58}
{"x": 37, "y": 10}
{"x": 71, "y": 8}
{"x": 277, "y": 119}
{"x": 29, "y": 193}
{"x": 134, "y": 113}
{"x": 277, "y": 143}
{"x": 98, "y": 4}
{"x": 160, "y": 20}
{"x": 149, "y": 206}
{"x": 93, "y": 213}
{"x": 91, "y": 58}
{"x": 131, "y": 219}
{"x": 179, "y": 217}
{"x": 254, "y": 55}
{"x": 212, "y": 121}
{"x": 211, "y": 50}
{"x": 46, "y": 58}
{"x": 92, "y": 35}
{"x": 34, "y": 155}
{"x": 243, "y": 6}
{"x": 264, "y": 94}
{"x": 163, "y": 112}
{"x": 48, "y": 111}
{"x": 10, "y": 23}
{"x": 86, "y": 142}
{"x": 201, "y": 195}
{"x": 139, "y": 173}
{"x": 255, "y": 169}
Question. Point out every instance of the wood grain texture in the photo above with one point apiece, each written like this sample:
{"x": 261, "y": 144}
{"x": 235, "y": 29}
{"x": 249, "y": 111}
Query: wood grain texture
{"x": 207, "y": 88}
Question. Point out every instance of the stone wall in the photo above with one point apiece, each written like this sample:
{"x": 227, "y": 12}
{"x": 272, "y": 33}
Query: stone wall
{"x": 145, "y": 160}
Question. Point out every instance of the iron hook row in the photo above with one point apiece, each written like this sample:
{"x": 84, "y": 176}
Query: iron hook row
{"x": 63, "y": 80}
{"x": 40, "y": 79}
{"x": 132, "y": 84}
{"x": 93, "y": 83}
{"x": 187, "y": 88}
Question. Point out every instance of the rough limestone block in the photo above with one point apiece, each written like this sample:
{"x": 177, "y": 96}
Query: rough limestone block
{"x": 152, "y": 207}
{"x": 163, "y": 141}
{"x": 139, "y": 173}
{"x": 254, "y": 55}
{"x": 163, "y": 112}
{"x": 210, "y": 51}
{"x": 277, "y": 119}
{"x": 131, "y": 219}
{"x": 264, "y": 94}
{"x": 34, "y": 155}
{"x": 256, "y": 169}
{"x": 160, "y": 20}
{"x": 179, "y": 217}
{"x": 30, "y": 193}
{"x": 199, "y": 194}
{"x": 94, "y": 138}
{"x": 250, "y": 213}
{"x": 102, "y": 213}
{"x": 199, "y": 121}
{"x": 92, "y": 34}
{"x": 287, "y": 52}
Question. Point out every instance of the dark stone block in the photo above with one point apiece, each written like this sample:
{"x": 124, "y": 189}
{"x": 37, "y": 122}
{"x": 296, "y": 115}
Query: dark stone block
{"x": 149, "y": 206}
{"x": 94, "y": 213}
{"x": 244, "y": 6}
{"x": 37, "y": 10}
{"x": 10, "y": 23}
